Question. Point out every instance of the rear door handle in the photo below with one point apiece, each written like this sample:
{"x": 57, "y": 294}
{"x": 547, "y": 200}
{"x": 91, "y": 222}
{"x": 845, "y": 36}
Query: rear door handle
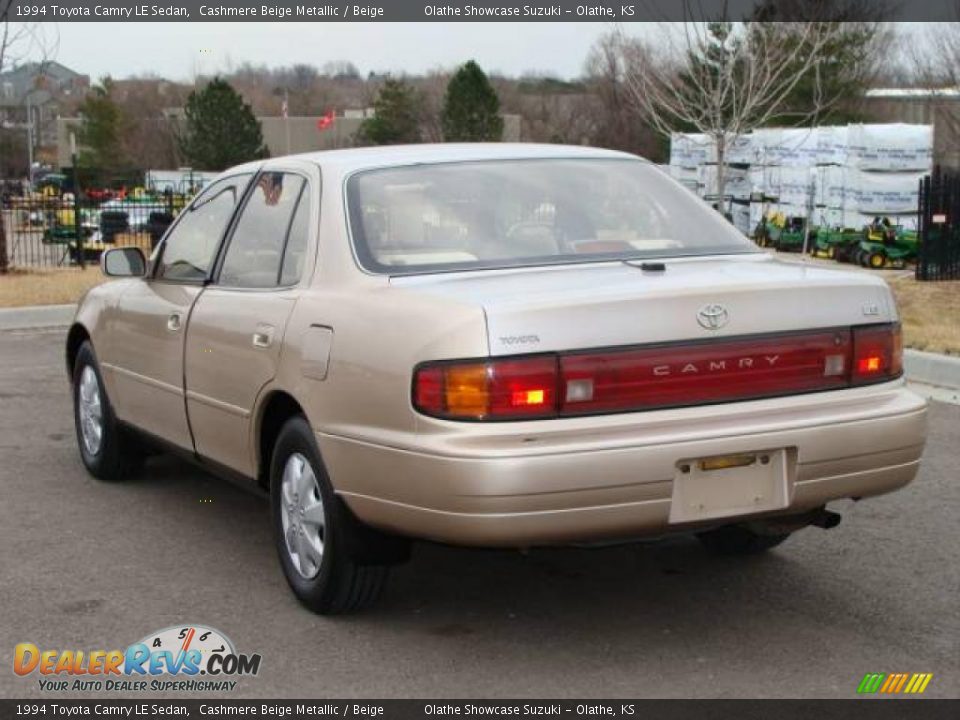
{"x": 174, "y": 321}
{"x": 263, "y": 336}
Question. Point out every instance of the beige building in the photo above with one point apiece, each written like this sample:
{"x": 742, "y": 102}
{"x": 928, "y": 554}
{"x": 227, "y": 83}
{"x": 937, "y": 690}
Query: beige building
{"x": 286, "y": 136}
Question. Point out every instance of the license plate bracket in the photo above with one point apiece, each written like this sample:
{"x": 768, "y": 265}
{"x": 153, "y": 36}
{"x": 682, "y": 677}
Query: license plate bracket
{"x": 742, "y": 483}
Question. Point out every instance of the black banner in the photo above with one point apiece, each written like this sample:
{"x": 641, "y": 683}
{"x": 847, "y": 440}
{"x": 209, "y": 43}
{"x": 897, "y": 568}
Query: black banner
{"x": 429, "y": 709}
{"x": 477, "y": 11}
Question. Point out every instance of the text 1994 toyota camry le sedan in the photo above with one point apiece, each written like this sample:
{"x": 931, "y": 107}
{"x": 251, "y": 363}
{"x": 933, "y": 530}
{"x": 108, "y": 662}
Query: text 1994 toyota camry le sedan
{"x": 490, "y": 345}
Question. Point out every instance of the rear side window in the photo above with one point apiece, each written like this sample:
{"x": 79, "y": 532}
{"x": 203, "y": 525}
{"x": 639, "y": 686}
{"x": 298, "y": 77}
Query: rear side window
{"x": 191, "y": 246}
{"x": 296, "y": 250}
{"x": 256, "y": 251}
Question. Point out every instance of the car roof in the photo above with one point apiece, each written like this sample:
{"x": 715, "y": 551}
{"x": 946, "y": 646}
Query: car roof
{"x": 349, "y": 159}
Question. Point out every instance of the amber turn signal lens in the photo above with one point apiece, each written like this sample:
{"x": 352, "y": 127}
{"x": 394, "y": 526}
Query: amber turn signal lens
{"x": 465, "y": 391}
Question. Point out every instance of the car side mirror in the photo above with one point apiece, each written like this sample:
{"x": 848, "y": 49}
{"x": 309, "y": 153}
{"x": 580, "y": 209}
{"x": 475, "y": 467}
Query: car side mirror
{"x": 123, "y": 262}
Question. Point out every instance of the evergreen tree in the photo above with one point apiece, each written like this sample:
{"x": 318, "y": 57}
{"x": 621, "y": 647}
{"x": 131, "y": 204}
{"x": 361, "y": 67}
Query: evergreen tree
{"x": 221, "y": 129}
{"x": 841, "y": 81}
{"x": 101, "y": 127}
{"x": 470, "y": 108}
{"x": 396, "y": 116}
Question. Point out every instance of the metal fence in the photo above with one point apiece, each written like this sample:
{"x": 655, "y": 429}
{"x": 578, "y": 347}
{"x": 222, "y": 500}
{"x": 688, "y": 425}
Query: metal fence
{"x": 939, "y": 227}
{"x": 57, "y": 231}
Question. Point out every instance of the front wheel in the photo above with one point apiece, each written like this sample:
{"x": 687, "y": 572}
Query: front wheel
{"x": 333, "y": 563}
{"x": 108, "y": 451}
{"x": 739, "y": 540}
{"x": 876, "y": 260}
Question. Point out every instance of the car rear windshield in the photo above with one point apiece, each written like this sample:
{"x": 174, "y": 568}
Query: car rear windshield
{"x": 487, "y": 214}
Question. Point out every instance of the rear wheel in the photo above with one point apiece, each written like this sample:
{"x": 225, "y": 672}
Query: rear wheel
{"x": 876, "y": 260}
{"x": 333, "y": 563}
{"x": 739, "y": 540}
{"x": 108, "y": 451}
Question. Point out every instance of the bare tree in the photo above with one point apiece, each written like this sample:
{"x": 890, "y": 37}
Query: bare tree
{"x": 934, "y": 58}
{"x": 726, "y": 79}
{"x": 616, "y": 122}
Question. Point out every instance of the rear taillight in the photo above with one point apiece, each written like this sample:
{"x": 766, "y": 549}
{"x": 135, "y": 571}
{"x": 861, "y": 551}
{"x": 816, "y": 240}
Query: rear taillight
{"x": 512, "y": 388}
{"x": 877, "y": 354}
{"x": 675, "y": 375}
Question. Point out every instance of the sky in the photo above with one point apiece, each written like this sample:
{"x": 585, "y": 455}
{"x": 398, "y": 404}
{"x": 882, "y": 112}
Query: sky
{"x": 181, "y": 51}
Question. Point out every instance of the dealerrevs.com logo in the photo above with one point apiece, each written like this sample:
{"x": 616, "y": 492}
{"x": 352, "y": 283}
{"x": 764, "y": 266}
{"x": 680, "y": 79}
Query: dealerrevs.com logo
{"x": 181, "y": 657}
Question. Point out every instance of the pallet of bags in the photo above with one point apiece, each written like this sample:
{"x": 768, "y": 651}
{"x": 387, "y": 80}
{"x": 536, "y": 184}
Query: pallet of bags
{"x": 736, "y": 182}
{"x": 890, "y": 147}
{"x": 832, "y": 145}
{"x": 831, "y": 186}
{"x": 740, "y": 212}
{"x": 882, "y": 193}
{"x": 797, "y": 185}
{"x": 691, "y": 150}
{"x": 790, "y": 147}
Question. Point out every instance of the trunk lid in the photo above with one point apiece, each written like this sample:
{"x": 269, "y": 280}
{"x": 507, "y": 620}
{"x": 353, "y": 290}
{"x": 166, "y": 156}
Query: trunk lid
{"x": 532, "y": 310}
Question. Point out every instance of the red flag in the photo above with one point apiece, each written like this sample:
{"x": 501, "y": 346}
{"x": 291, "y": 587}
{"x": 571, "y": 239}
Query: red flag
{"x": 325, "y": 121}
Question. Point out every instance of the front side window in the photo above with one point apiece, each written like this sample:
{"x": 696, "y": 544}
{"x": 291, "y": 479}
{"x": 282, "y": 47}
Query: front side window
{"x": 474, "y": 215}
{"x": 256, "y": 250}
{"x": 191, "y": 246}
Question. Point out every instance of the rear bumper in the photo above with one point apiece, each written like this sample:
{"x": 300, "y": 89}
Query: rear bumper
{"x": 592, "y": 479}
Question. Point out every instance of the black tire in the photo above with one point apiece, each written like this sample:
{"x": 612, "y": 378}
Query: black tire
{"x": 119, "y": 455}
{"x": 353, "y": 566}
{"x": 738, "y": 540}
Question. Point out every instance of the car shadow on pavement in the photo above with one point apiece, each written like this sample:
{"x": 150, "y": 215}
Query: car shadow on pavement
{"x": 456, "y": 587}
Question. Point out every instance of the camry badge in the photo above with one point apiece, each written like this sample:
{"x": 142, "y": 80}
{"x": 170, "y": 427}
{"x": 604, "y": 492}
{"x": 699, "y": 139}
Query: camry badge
{"x": 713, "y": 316}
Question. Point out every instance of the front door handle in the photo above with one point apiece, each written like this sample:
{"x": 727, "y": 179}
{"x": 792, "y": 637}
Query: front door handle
{"x": 263, "y": 336}
{"x": 174, "y": 321}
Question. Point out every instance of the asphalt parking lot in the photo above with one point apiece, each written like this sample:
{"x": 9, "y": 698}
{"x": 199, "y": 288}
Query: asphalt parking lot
{"x": 90, "y": 565}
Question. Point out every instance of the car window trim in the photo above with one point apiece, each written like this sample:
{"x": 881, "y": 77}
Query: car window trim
{"x": 217, "y": 267}
{"x": 286, "y": 237}
{"x": 153, "y": 275}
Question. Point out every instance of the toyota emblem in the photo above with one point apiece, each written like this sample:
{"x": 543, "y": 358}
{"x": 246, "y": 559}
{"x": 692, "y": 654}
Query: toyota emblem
{"x": 713, "y": 316}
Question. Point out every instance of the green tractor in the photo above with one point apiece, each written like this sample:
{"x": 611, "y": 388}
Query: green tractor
{"x": 781, "y": 233}
{"x": 837, "y": 243}
{"x": 886, "y": 245}
{"x": 62, "y": 228}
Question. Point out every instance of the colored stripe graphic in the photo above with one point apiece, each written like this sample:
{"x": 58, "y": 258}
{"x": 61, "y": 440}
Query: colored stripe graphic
{"x": 894, "y": 683}
{"x": 871, "y": 682}
{"x": 918, "y": 683}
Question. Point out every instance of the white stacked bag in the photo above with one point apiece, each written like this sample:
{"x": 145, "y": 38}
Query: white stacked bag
{"x": 834, "y": 175}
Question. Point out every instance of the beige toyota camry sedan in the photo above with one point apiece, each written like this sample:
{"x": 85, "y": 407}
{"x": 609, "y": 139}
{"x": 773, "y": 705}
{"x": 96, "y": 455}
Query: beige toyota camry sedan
{"x": 489, "y": 345}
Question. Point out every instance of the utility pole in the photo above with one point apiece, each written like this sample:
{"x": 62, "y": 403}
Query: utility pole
{"x": 77, "y": 224}
{"x": 286, "y": 117}
{"x": 29, "y": 139}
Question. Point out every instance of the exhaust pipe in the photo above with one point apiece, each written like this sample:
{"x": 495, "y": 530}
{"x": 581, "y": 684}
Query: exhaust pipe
{"x": 826, "y": 519}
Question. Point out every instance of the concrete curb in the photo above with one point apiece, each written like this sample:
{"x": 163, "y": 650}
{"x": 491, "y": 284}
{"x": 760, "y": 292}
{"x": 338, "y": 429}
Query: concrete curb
{"x": 40, "y": 316}
{"x": 932, "y": 369}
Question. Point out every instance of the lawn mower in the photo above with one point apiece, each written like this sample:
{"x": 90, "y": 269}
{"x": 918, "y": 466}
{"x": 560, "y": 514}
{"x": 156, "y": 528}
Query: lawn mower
{"x": 781, "y": 233}
{"x": 837, "y": 243}
{"x": 886, "y": 245}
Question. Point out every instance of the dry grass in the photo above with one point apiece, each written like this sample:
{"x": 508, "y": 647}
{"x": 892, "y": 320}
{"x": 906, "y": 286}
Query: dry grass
{"x": 19, "y": 288}
{"x": 930, "y": 313}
